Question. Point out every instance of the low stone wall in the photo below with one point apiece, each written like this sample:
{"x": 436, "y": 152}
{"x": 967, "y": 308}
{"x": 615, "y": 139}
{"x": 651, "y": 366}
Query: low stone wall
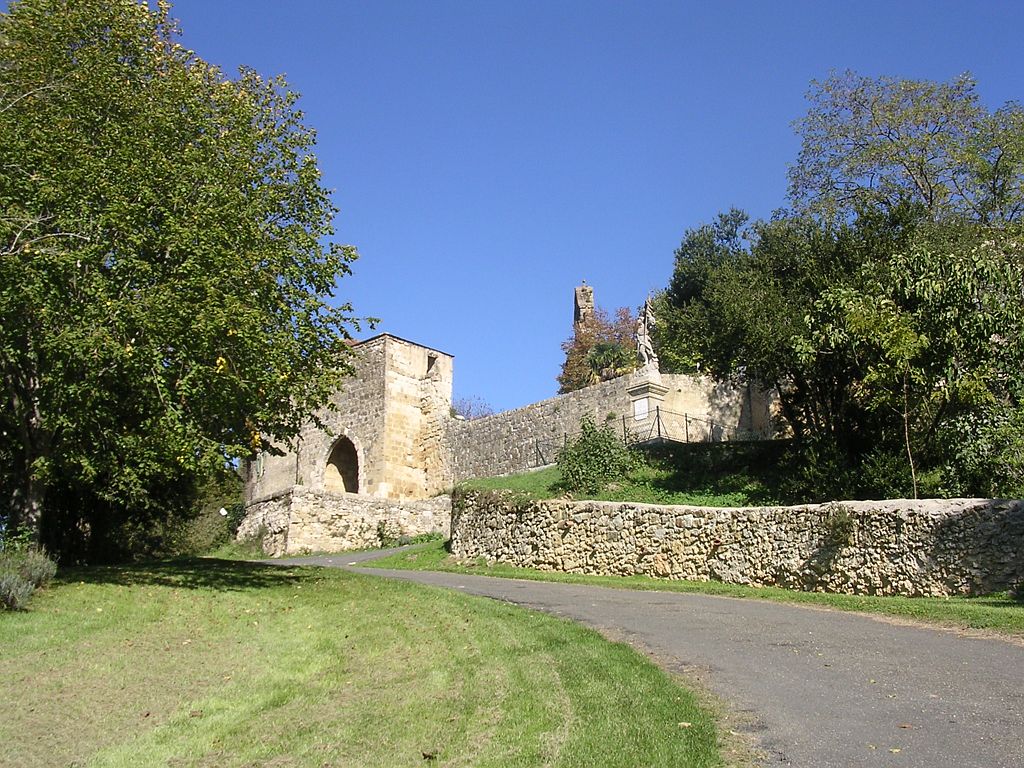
{"x": 901, "y": 547}
{"x": 268, "y": 519}
{"x": 303, "y": 519}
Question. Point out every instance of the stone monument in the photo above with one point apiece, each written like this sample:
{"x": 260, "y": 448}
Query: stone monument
{"x": 647, "y": 360}
{"x": 647, "y": 393}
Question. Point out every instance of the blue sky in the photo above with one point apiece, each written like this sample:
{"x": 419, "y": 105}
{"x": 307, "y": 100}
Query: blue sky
{"x": 489, "y": 155}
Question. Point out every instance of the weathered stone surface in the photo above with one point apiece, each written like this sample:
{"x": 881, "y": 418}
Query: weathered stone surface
{"x": 390, "y": 434}
{"x": 393, "y": 410}
{"x": 514, "y": 441}
{"x": 909, "y": 547}
{"x": 268, "y": 519}
{"x": 307, "y": 520}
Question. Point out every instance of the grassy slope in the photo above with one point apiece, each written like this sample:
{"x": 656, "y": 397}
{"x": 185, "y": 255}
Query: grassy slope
{"x": 998, "y": 613}
{"x": 715, "y": 475}
{"x": 203, "y": 663}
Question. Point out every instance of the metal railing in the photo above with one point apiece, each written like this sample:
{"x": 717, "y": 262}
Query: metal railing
{"x": 661, "y": 425}
{"x": 658, "y": 426}
{"x": 547, "y": 450}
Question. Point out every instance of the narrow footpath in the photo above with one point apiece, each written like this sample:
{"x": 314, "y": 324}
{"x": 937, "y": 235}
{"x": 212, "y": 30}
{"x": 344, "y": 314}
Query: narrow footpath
{"x": 819, "y": 688}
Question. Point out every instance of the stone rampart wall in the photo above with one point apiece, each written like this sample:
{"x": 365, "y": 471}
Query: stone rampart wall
{"x": 925, "y": 547}
{"x": 514, "y": 441}
{"x": 308, "y": 520}
{"x": 518, "y": 440}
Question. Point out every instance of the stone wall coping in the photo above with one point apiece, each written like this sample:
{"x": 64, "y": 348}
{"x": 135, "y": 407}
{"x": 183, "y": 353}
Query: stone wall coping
{"x": 937, "y": 507}
{"x": 386, "y": 335}
{"x": 272, "y": 496}
{"x": 306, "y": 490}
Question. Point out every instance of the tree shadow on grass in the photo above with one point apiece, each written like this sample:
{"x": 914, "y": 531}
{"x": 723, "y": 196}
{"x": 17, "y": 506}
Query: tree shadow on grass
{"x": 195, "y": 573}
{"x": 750, "y": 470}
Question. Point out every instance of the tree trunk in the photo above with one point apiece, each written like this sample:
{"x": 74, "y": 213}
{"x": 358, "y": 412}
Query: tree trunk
{"x": 32, "y": 508}
{"x": 29, "y": 498}
{"x": 906, "y": 433}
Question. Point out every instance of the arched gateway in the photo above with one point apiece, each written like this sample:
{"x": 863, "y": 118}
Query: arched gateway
{"x": 342, "y": 472}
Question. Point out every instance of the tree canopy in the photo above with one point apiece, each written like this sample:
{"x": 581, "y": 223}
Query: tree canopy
{"x": 883, "y": 306}
{"x": 882, "y": 141}
{"x": 165, "y": 282}
{"x": 599, "y": 349}
{"x": 938, "y": 337}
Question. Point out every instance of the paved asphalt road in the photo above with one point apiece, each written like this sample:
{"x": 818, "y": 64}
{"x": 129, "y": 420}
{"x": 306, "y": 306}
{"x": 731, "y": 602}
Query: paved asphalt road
{"x": 822, "y": 689}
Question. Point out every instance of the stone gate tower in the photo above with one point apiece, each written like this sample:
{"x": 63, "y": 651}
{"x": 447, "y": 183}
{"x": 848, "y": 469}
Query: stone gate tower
{"x": 384, "y": 430}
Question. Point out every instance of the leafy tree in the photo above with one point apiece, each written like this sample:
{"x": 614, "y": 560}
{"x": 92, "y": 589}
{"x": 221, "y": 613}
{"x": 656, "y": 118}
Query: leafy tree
{"x": 702, "y": 252}
{"x": 885, "y": 310}
{"x": 937, "y": 330}
{"x": 608, "y": 359}
{"x": 892, "y": 343}
{"x": 740, "y": 304}
{"x": 600, "y": 349}
{"x": 882, "y": 141}
{"x": 164, "y": 281}
{"x": 737, "y": 305}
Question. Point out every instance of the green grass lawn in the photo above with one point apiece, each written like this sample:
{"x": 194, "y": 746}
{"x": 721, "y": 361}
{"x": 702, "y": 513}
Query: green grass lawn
{"x": 999, "y": 613}
{"x": 703, "y": 474}
{"x": 217, "y": 663}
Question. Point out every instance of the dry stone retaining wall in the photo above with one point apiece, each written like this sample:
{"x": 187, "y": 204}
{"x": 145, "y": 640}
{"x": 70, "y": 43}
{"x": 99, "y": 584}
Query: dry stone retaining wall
{"x": 925, "y": 547}
{"x": 303, "y": 519}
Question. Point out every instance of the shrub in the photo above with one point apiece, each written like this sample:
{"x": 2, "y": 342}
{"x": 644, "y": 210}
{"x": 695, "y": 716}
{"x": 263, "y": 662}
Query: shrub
{"x": 14, "y": 541}
{"x": 248, "y": 548}
{"x": 594, "y": 459}
{"x": 985, "y": 454}
{"x": 839, "y": 527}
{"x": 388, "y": 534}
{"x": 236, "y": 513}
{"x": 819, "y": 470}
{"x": 14, "y": 591}
{"x": 816, "y": 471}
{"x": 206, "y": 529}
{"x": 23, "y": 568}
{"x": 36, "y": 568}
{"x": 884, "y": 475}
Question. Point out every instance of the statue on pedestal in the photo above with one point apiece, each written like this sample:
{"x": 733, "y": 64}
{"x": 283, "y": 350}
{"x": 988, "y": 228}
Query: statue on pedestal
{"x": 646, "y": 358}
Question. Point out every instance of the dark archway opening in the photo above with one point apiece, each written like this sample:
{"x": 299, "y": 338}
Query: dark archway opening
{"x": 342, "y": 471}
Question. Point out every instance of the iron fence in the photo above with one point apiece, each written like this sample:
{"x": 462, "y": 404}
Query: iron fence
{"x": 546, "y": 450}
{"x": 661, "y": 425}
{"x": 657, "y": 426}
